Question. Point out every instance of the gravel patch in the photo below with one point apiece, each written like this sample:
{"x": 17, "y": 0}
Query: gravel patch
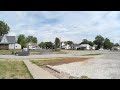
{"x": 94, "y": 69}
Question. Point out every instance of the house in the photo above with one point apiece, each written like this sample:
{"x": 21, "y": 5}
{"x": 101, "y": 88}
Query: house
{"x": 117, "y": 48}
{"x": 32, "y": 45}
{"x": 65, "y": 46}
{"x": 85, "y": 47}
{"x": 75, "y": 46}
{"x": 8, "y": 42}
{"x": 94, "y": 47}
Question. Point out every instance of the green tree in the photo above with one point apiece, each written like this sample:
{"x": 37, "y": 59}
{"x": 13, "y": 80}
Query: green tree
{"x": 4, "y": 28}
{"x": 42, "y": 45}
{"x": 34, "y": 40}
{"x": 107, "y": 44}
{"x": 99, "y": 40}
{"x": 48, "y": 45}
{"x": 90, "y": 43}
{"x": 116, "y": 44}
{"x": 22, "y": 40}
{"x": 69, "y": 42}
{"x": 85, "y": 41}
{"x": 57, "y": 43}
{"x": 31, "y": 39}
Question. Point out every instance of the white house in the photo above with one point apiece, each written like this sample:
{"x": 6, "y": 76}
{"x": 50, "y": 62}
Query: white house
{"x": 85, "y": 47}
{"x": 17, "y": 46}
{"x": 8, "y": 42}
{"x": 67, "y": 47}
{"x": 32, "y": 45}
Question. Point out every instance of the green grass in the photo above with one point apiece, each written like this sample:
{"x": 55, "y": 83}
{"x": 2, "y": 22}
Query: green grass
{"x": 8, "y": 52}
{"x": 91, "y": 54}
{"x": 14, "y": 70}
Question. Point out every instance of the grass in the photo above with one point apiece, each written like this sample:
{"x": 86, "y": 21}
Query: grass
{"x": 8, "y": 52}
{"x": 91, "y": 54}
{"x": 14, "y": 70}
{"x": 57, "y": 61}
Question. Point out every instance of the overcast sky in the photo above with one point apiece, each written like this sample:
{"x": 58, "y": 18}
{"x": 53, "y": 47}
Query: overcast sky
{"x": 67, "y": 25}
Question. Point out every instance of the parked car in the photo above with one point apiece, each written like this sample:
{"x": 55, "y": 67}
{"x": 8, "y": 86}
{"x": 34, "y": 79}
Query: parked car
{"x": 23, "y": 53}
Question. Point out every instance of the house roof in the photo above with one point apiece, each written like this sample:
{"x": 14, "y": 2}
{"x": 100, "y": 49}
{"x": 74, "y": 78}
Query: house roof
{"x": 10, "y": 39}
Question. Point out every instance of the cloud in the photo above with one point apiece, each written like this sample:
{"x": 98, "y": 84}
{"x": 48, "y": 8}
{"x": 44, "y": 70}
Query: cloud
{"x": 68, "y": 25}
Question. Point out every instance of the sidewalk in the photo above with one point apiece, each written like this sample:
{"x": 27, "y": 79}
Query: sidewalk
{"x": 37, "y": 72}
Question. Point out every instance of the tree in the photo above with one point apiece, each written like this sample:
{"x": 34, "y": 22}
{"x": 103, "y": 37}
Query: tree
{"x": 99, "y": 40}
{"x": 34, "y": 40}
{"x": 57, "y": 43}
{"x": 31, "y": 39}
{"x": 107, "y": 44}
{"x": 4, "y": 28}
{"x": 48, "y": 45}
{"x": 85, "y": 41}
{"x": 116, "y": 44}
{"x": 90, "y": 43}
{"x": 69, "y": 42}
{"x": 42, "y": 45}
{"x": 22, "y": 40}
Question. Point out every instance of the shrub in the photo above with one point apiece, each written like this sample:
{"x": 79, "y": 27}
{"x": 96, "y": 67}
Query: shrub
{"x": 13, "y": 52}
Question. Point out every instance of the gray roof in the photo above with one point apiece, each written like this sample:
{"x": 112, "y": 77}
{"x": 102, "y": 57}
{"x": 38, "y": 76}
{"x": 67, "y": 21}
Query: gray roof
{"x": 10, "y": 39}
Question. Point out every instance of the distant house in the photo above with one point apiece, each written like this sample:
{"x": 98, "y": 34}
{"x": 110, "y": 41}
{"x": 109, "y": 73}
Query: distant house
{"x": 32, "y": 45}
{"x": 85, "y": 47}
{"x": 116, "y": 48}
{"x": 8, "y": 42}
{"x": 65, "y": 46}
{"x": 94, "y": 47}
{"x": 75, "y": 46}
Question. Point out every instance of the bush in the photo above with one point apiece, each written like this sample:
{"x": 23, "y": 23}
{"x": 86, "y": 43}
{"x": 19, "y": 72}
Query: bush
{"x": 13, "y": 52}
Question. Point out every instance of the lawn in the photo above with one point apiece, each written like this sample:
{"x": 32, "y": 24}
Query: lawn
{"x": 8, "y": 52}
{"x": 57, "y": 61}
{"x": 14, "y": 70}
